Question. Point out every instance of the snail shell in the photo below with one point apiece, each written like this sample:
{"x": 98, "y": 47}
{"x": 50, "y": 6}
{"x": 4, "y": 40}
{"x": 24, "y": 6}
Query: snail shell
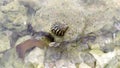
{"x": 59, "y": 29}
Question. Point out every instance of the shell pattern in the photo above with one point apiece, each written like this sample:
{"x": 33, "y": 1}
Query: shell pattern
{"x": 59, "y": 29}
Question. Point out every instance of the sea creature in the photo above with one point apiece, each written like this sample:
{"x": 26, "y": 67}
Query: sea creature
{"x": 84, "y": 39}
{"x": 59, "y": 29}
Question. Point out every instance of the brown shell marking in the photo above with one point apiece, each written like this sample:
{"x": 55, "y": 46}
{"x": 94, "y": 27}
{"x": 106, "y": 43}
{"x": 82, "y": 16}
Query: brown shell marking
{"x": 23, "y": 47}
{"x": 59, "y": 29}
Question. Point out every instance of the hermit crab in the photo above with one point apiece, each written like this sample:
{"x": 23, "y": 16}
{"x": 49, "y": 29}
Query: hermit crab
{"x": 59, "y": 29}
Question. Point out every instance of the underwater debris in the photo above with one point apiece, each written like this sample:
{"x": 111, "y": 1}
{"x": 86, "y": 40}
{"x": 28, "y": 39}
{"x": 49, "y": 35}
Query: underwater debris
{"x": 23, "y": 47}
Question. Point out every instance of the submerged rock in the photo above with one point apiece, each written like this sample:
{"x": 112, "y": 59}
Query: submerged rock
{"x": 4, "y": 42}
{"x": 102, "y": 58}
{"x": 88, "y": 59}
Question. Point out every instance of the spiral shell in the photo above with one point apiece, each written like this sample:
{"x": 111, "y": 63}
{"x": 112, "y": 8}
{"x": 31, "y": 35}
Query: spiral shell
{"x": 59, "y": 29}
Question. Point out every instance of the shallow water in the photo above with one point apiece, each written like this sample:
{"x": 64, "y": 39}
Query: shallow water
{"x": 92, "y": 38}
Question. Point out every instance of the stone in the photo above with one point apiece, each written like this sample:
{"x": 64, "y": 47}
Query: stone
{"x": 36, "y": 57}
{"x": 83, "y": 65}
{"x": 4, "y": 42}
{"x": 88, "y": 59}
{"x": 102, "y": 58}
